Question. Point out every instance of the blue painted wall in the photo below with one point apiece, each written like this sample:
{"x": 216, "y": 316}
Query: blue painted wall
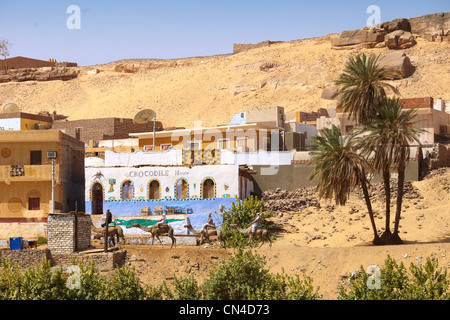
{"x": 131, "y": 208}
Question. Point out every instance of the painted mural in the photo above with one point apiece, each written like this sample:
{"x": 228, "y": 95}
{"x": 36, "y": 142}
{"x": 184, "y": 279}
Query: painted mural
{"x": 143, "y": 194}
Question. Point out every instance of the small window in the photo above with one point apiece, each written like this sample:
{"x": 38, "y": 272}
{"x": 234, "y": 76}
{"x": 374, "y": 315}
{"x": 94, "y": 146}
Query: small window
{"x": 443, "y": 129}
{"x": 165, "y": 146}
{"x": 348, "y": 129}
{"x": 34, "y": 204}
{"x": 223, "y": 144}
{"x": 35, "y": 158}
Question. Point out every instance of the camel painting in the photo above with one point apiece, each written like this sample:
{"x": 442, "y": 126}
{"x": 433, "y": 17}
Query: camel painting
{"x": 262, "y": 233}
{"x": 156, "y": 231}
{"x": 206, "y": 235}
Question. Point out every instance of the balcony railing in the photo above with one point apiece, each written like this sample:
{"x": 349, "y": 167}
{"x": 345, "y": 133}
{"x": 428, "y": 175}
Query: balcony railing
{"x": 27, "y": 172}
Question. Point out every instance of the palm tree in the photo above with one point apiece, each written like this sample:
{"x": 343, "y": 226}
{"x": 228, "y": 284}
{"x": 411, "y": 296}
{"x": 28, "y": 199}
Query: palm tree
{"x": 340, "y": 168}
{"x": 388, "y": 141}
{"x": 361, "y": 87}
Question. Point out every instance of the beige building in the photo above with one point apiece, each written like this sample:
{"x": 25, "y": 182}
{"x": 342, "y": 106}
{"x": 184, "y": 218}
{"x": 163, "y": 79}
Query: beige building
{"x": 433, "y": 119}
{"x": 26, "y": 174}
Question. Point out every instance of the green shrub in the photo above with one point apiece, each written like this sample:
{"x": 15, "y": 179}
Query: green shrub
{"x": 42, "y": 240}
{"x": 244, "y": 276}
{"x": 242, "y": 213}
{"x": 395, "y": 283}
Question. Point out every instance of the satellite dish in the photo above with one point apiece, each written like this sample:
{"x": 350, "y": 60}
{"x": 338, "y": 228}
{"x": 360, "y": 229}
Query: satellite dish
{"x": 11, "y": 108}
{"x": 144, "y": 116}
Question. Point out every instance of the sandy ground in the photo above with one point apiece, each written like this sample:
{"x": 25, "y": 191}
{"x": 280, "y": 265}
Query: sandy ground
{"x": 213, "y": 89}
{"x": 341, "y": 242}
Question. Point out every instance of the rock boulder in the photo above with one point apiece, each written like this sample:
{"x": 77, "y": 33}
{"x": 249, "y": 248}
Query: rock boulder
{"x": 397, "y": 61}
{"x": 399, "y": 39}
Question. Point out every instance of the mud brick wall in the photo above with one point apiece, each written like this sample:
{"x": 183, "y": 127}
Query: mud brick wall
{"x": 103, "y": 129}
{"x": 102, "y": 261}
{"x": 68, "y": 233}
{"x": 26, "y": 258}
{"x": 30, "y": 257}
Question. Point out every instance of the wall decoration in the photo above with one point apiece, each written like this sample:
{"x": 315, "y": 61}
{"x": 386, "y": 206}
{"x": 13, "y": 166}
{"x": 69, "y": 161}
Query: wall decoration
{"x": 111, "y": 182}
{"x": 17, "y": 171}
{"x": 15, "y": 205}
{"x": 6, "y": 152}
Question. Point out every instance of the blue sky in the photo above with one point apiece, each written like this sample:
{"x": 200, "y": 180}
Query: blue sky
{"x": 113, "y": 30}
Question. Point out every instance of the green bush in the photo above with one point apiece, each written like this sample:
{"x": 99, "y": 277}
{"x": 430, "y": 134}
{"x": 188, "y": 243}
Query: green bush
{"x": 242, "y": 213}
{"x": 244, "y": 276}
{"x": 395, "y": 283}
{"x": 41, "y": 240}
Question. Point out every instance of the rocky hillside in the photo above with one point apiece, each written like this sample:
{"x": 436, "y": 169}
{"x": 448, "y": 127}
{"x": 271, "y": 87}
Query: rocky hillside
{"x": 212, "y": 89}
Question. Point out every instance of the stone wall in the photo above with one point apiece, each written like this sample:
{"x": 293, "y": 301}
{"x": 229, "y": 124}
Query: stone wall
{"x": 37, "y": 74}
{"x": 28, "y": 258}
{"x": 69, "y": 232}
{"x": 239, "y": 47}
{"x": 102, "y": 261}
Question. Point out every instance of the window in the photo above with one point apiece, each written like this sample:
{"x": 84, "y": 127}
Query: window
{"x": 34, "y": 204}
{"x": 195, "y": 145}
{"x": 127, "y": 190}
{"x": 148, "y": 147}
{"x": 348, "y": 129}
{"x": 443, "y": 129}
{"x": 35, "y": 158}
{"x": 223, "y": 144}
{"x": 153, "y": 191}
{"x": 242, "y": 144}
{"x": 181, "y": 189}
{"x": 208, "y": 189}
{"x": 165, "y": 146}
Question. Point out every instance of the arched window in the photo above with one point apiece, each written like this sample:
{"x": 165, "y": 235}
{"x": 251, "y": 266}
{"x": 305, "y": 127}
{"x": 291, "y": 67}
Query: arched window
{"x": 127, "y": 190}
{"x": 97, "y": 198}
{"x": 209, "y": 189}
{"x": 153, "y": 190}
{"x": 181, "y": 189}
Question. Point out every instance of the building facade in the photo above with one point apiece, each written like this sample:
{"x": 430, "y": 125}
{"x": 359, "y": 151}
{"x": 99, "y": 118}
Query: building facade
{"x": 26, "y": 174}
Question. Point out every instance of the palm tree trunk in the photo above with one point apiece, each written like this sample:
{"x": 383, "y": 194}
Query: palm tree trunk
{"x": 401, "y": 183}
{"x": 376, "y": 238}
{"x": 387, "y": 190}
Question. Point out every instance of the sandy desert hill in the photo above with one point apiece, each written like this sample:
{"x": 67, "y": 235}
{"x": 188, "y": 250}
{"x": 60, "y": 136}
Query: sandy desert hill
{"x": 212, "y": 89}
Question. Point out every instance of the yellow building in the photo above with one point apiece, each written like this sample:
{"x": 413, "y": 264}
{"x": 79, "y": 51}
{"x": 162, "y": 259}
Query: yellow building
{"x": 26, "y": 174}
{"x": 16, "y": 121}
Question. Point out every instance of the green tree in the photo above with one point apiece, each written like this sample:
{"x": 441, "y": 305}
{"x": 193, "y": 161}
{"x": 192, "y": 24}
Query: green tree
{"x": 386, "y": 140}
{"x": 362, "y": 87}
{"x": 339, "y": 167}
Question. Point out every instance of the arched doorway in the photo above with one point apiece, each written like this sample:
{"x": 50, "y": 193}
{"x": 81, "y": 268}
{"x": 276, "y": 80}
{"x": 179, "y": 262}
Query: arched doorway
{"x": 208, "y": 189}
{"x": 153, "y": 190}
{"x": 181, "y": 189}
{"x": 97, "y": 198}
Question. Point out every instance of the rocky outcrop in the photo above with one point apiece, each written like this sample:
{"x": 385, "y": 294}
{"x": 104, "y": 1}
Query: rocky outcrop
{"x": 432, "y": 27}
{"x": 37, "y": 74}
{"x": 397, "y": 34}
{"x": 397, "y": 61}
{"x": 367, "y": 38}
{"x": 399, "y": 39}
